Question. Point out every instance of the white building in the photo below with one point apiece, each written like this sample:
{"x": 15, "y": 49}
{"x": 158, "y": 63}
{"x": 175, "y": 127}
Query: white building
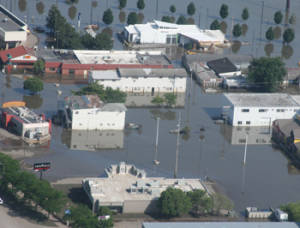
{"x": 89, "y": 113}
{"x": 142, "y": 80}
{"x": 259, "y": 109}
{"x": 159, "y": 32}
{"x": 13, "y": 30}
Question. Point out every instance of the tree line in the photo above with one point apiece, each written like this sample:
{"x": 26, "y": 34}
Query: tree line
{"x": 67, "y": 37}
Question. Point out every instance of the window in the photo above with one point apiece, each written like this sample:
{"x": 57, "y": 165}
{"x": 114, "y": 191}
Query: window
{"x": 245, "y": 110}
{"x": 240, "y": 122}
{"x": 242, "y": 140}
{"x": 248, "y": 122}
{"x": 280, "y": 110}
{"x": 262, "y": 110}
{"x": 72, "y": 71}
{"x": 52, "y": 69}
{"x": 76, "y": 112}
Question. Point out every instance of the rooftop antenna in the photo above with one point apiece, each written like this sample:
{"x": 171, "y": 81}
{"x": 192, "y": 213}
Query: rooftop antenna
{"x": 177, "y": 146}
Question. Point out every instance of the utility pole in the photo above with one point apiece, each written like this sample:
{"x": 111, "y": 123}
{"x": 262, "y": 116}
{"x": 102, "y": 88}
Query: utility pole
{"x": 156, "y": 141}
{"x": 177, "y": 146}
{"x": 245, "y": 152}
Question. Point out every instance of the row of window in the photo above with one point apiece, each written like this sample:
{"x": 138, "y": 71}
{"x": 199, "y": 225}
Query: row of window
{"x": 241, "y": 122}
{"x": 266, "y": 110}
{"x": 101, "y": 124}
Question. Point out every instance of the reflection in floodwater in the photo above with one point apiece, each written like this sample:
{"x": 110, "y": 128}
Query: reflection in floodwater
{"x": 287, "y": 51}
{"x": 22, "y": 5}
{"x": 190, "y": 21}
{"x": 92, "y": 140}
{"x": 72, "y": 12}
{"x": 292, "y": 169}
{"x": 7, "y": 81}
{"x": 40, "y": 7}
{"x": 269, "y": 48}
{"x": 256, "y": 135}
{"x": 122, "y": 16}
{"x": 163, "y": 114}
{"x": 33, "y": 101}
{"x": 108, "y": 31}
{"x": 277, "y": 32}
{"x": 244, "y": 29}
{"x": 144, "y": 100}
{"x": 140, "y": 18}
{"x": 223, "y": 27}
{"x": 94, "y": 4}
{"x": 236, "y": 46}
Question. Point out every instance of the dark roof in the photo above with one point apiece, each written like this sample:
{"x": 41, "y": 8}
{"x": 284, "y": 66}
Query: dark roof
{"x": 223, "y": 65}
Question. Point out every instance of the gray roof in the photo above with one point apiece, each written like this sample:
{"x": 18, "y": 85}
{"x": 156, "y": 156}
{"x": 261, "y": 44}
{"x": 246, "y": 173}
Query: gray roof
{"x": 220, "y": 225}
{"x": 261, "y": 100}
{"x": 205, "y": 57}
{"x": 169, "y": 72}
{"x": 112, "y": 107}
{"x": 104, "y": 75}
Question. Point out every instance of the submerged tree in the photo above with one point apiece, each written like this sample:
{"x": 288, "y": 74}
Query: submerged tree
{"x": 34, "y": 85}
{"x": 215, "y": 25}
{"x": 237, "y": 30}
{"x": 245, "y": 14}
{"x": 191, "y": 9}
{"x": 278, "y": 17}
{"x": 288, "y": 35}
{"x": 108, "y": 17}
{"x": 270, "y": 34}
{"x": 224, "y": 11}
{"x": 132, "y": 18}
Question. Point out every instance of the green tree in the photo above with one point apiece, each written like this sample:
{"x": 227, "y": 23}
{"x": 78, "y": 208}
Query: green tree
{"x": 202, "y": 204}
{"x": 82, "y": 217}
{"x": 88, "y": 41}
{"x": 34, "y": 85}
{"x": 39, "y": 67}
{"x": 270, "y": 34}
{"x": 140, "y": 4}
{"x": 237, "y": 30}
{"x": 224, "y": 11}
{"x": 181, "y": 20}
{"x": 215, "y": 25}
{"x": 292, "y": 19}
{"x": 132, "y": 18}
{"x": 167, "y": 19}
{"x": 108, "y": 17}
{"x": 191, "y": 9}
{"x": 245, "y": 14}
{"x": 278, "y": 17}
{"x": 174, "y": 202}
{"x": 122, "y": 4}
{"x": 157, "y": 100}
{"x": 293, "y": 210}
{"x": 170, "y": 99}
{"x": 220, "y": 201}
{"x": 288, "y": 35}
{"x": 172, "y": 9}
{"x": 266, "y": 72}
{"x": 103, "y": 41}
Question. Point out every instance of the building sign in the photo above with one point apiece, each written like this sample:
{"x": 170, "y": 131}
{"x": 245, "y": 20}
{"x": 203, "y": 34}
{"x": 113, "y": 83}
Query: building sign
{"x": 41, "y": 166}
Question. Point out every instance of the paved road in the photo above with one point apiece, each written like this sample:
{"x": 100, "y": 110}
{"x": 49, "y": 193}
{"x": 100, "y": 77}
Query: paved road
{"x": 9, "y": 220}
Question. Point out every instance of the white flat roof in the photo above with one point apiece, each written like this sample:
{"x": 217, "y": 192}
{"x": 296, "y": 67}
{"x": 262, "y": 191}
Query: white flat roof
{"x": 104, "y": 75}
{"x": 261, "y": 100}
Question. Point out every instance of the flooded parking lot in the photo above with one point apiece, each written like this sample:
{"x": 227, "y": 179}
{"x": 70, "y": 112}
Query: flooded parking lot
{"x": 268, "y": 179}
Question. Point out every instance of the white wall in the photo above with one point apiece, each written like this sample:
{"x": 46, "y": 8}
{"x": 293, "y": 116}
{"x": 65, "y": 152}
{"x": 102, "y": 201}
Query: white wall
{"x": 140, "y": 84}
{"x": 258, "y": 118}
{"x": 15, "y": 36}
{"x": 94, "y": 119}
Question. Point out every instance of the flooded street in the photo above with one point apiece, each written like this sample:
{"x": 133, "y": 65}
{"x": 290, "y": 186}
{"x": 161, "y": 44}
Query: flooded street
{"x": 266, "y": 180}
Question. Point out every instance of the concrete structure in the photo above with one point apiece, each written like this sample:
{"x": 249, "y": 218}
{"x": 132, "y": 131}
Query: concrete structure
{"x": 255, "y": 135}
{"x": 159, "y": 32}
{"x": 93, "y": 140}
{"x": 128, "y": 188}
{"x": 13, "y": 30}
{"x": 220, "y": 225}
{"x": 280, "y": 215}
{"x": 22, "y": 121}
{"x": 142, "y": 80}
{"x": 258, "y": 109}
{"x": 77, "y": 63}
{"x": 18, "y": 58}
{"x": 90, "y": 113}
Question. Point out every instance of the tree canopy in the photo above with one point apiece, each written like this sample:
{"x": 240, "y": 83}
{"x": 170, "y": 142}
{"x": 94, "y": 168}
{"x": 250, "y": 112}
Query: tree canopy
{"x": 215, "y": 25}
{"x": 245, "y": 14}
{"x": 172, "y": 9}
{"x": 107, "y": 95}
{"x": 108, "y": 17}
{"x": 132, "y": 18}
{"x": 34, "y": 85}
{"x": 39, "y": 67}
{"x": 181, "y": 20}
{"x": 202, "y": 204}
{"x": 174, "y": 202}
{"x": 140, "y": 4}
{"x": 122, "y": 4}
{"x": 167, "y": 19}
{"x": 191, "y": 9}
{"x": 288, "y": 35}
{"x": 237, "y": 30}
{"x": 278, "y": 17}
{"x": 266, "y": 73}
{"x": 224, "y": 11}
{"x": 293, "y": 210}
{"x": 270, "y": 34}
